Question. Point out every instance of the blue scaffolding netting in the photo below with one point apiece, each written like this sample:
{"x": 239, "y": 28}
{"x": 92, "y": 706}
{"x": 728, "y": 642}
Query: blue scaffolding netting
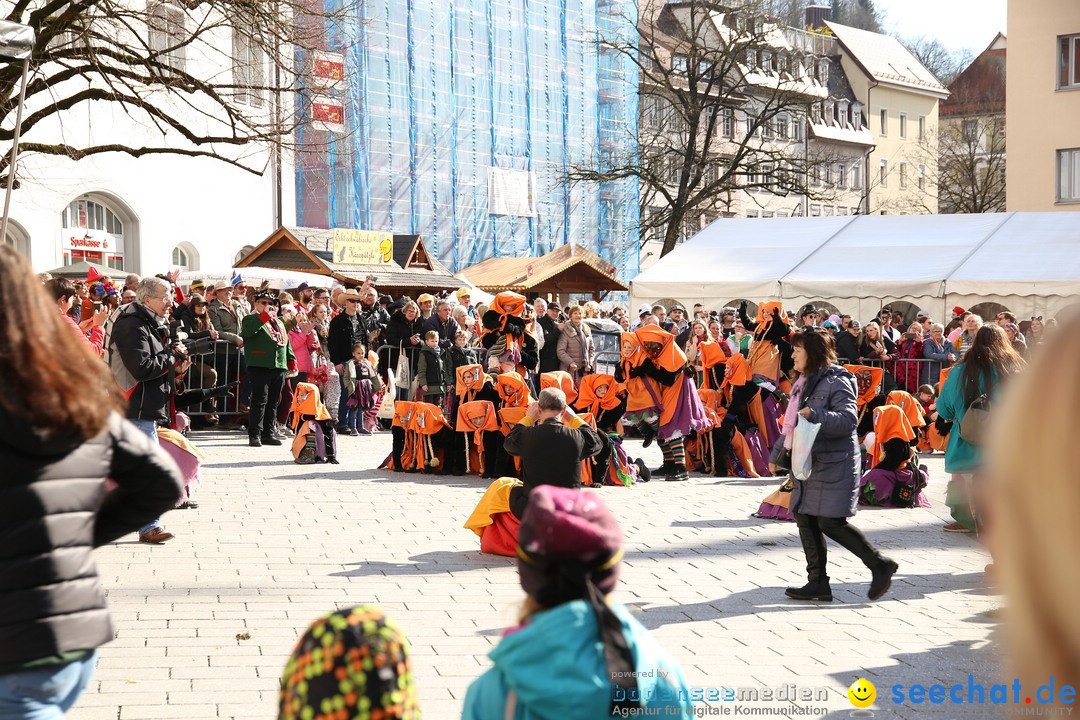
{"x": 445, "y": 100}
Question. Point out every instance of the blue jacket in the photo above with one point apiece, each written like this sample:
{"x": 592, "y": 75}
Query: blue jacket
{"x": 960, "y": 456}
{"x": 832, "y": 490}
{"x": 555, "y": 666}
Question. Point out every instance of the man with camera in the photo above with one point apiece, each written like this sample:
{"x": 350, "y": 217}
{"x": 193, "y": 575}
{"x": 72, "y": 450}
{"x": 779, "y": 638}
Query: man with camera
{"x": 144, "y": 361}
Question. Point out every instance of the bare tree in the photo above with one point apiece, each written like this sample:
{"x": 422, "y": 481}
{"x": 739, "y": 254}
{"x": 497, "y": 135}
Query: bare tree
{"x": 720, "y": 101}
{"x": 971, "y": 165}
{"x": 945, "y": 64}
{"x": 861, "y": 14}
{"x": 197, "y": 78}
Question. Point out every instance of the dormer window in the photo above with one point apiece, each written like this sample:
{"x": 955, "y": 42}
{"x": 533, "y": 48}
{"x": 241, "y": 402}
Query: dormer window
{"x": 823, "y": 71}
{"x": 766, "y": 61}
{"x": 830, "y": 111}
{"x": 856, "y": 115}
{"x": 842, "y": 114}
{"x": 752, "y": 58}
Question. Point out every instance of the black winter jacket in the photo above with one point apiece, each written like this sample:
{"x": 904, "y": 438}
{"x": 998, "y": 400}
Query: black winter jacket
{"x": 340, "y": 338}
{"x": 54, "y": 510}
{"x": 142, "y": 363}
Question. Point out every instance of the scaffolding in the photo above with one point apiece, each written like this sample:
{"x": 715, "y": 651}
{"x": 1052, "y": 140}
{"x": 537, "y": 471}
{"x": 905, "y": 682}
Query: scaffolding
{"x": 456, "y": 110}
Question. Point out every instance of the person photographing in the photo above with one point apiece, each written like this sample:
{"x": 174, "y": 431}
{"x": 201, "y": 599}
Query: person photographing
{"x": 551, "y": 442}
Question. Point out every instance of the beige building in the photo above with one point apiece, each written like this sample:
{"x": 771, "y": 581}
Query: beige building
{"x": 900, "y": 98}
{"x": 1043, "y": 87}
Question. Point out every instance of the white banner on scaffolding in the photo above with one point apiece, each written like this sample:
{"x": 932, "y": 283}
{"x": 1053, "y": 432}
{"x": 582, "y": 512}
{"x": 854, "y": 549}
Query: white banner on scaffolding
{"x": 511, "y": 192}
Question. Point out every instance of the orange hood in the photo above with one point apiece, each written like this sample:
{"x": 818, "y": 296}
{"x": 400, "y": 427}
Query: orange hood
{"x": 868, "y": 379}
{"x": 306, "y": 401}
{"x": 890, "y": 423}
{"x": 470, "y": 377}
{"x": 513, "y": 390}
{"x": 509, "y": 417}
{"x": 478, "y": 416}
{"x": 562, "y": 380}
{"x": 593, "y": 403}
{"x": 911, "y": 407}
{"x": 737, "y": 373}
{"x": 403, "y": 412}
{"x": 427, "y": 419}
{"x": 671, "y": 357}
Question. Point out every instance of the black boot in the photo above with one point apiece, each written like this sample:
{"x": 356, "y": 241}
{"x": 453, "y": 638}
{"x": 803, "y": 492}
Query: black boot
{"x": 647, "y": 434}
{"x": 882, "y": 578}
{"x": 816, "y": 556}
{"x": 677, "y": 473}
{"x": 819, "y": 590}
{"x": 662, "y": 470}
{"x": 644, "y": 474}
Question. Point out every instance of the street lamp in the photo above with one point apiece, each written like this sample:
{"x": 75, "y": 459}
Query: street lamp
{"x": 16, "y": 43}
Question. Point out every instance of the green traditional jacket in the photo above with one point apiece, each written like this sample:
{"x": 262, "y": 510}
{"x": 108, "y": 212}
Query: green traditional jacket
{"x": 261, "y": 349}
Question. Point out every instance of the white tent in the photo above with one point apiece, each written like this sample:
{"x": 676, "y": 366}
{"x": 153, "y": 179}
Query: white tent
{"x": 1028, "y": 263}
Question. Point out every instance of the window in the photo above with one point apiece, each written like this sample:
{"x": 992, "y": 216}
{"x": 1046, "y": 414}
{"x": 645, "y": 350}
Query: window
{"x": 751, "y": 213}
{"x": 767, "y": 214}
{"x": 922, "y": 177}
{"x": 828, "y": 210}
{"x": 840, "y": 210}
{"x": 167, "y": 37}
{"x": 679, "y": 64}
{"x": 903, "y": 126}
{"x": 749, "y": 125}
{"x": 815, "y": 175}
{"x": 856, "y": 177}
{"x": 903, "y": 175}
{"x": 796, "y": 130}
{"x": 884, "y": 123}
{"x": 884, "y": 173}
{"x": 92, "y": 232}
{"x": 752, "y": 58}
{"x": 1068, "y": 189}
{"x": 249, "y": 65}
{"x": 767, "y": 129}
{"x": 828, "y": 175}
{"x": 1068, "y": 62}
{"x": 782, "y": 127}
{"x": 830, "y": 112}
{"x": 971, "y": 130}
{"x": 823, "y": 71}
{"x": 766, "y": 61}
{"x": 815, "y": 211}
{"x": 729, "y": 122}
{"x": 841, "y": 176}
{"x": 243, "y": 253}
{"x": 922, "y": 128}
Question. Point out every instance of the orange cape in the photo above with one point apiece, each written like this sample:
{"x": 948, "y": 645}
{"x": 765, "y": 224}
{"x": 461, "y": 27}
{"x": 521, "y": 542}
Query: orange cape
{"x": 513, "y": 390}
{"x": 869, "y": 380}
{"x": 711, "y": 354}
{"x": 890, "y": 423}
{"x": 509, "y": 417}
{"x": 559, "y": 379}
{"x": 911, "y": 407}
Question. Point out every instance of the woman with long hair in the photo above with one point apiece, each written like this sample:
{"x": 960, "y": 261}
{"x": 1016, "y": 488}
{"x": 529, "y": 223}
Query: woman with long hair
{"x": 699, "y": 333}
{"x": 1032, "y": 493}
{"x": 323, "y": 373}
{"x": 826, "y": 394}
{"x": 989, "y": 362}
{"x": 61, "y": 435}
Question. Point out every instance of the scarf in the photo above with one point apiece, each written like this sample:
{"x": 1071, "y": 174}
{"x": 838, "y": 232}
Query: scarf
{"x": 791, "y": 417}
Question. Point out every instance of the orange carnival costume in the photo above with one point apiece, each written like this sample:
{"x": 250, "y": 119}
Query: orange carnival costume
{"x": 314, "y": 440}
{"x": 893, "y": 480}
{"x": 560, "y": 379}
{"x": 505, "y": 335}
{"x": 474, "y": 420}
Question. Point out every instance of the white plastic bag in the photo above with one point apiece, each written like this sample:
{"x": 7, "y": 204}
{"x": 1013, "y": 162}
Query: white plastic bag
{"x": 801, "y": 444}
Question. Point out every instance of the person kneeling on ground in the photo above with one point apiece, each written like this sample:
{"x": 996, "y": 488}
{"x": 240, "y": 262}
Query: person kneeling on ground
{"x": 575, "y": 654}
{"x": 551, "y": 442}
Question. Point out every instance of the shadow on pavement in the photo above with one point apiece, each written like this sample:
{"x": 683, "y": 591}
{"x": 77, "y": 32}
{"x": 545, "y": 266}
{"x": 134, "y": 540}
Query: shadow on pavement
{"x": 772, "y": 600}
{"x": 430, "y": 563}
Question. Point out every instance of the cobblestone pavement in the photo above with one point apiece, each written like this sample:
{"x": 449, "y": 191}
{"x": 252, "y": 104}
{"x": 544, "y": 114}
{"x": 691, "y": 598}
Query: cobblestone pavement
{"x": 206, "y": 622}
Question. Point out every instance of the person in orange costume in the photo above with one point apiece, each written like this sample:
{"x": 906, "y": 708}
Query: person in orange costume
{"x": 562, "y": 380}
{"x": 676, "y": 407}
{"x": 598, "y": 396}
{"x": 894, "y": 479}
{"x": 475, "y": 420}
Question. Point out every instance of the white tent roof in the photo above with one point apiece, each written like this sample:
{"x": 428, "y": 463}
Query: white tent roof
{"x": 965, "y": 258}
{"x": 748, "y": 257}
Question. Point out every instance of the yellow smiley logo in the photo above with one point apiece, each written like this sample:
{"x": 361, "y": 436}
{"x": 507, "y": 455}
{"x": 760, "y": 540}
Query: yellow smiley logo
{"x": 862, "y": 693}
{"x": 386, "y": 247}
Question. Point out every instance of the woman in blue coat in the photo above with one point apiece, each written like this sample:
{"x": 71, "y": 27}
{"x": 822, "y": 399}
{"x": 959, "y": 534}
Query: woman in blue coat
{"x": 575, "y": 655}
{"x": 826, "y": 393}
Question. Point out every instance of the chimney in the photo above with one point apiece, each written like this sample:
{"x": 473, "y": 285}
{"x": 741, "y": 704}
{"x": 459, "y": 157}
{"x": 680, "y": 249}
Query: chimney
{"x": 816, "y": 15}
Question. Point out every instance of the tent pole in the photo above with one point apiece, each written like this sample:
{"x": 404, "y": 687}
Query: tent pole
{"x": 14, "y": 150}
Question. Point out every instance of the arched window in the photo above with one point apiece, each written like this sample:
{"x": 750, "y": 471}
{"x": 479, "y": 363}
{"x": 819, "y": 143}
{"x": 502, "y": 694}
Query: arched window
{"x": 243, "y": 253}
{"x": 185, "y": 257}
{"x": 93, "y": 232}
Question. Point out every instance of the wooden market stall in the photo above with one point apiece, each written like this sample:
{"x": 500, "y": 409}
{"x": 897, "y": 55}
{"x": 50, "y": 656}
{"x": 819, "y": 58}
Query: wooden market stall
{"x": 570, "y": 269}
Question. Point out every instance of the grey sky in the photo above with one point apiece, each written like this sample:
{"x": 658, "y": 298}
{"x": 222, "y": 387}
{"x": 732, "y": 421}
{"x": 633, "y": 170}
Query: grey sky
{"x": 959, "y": 24}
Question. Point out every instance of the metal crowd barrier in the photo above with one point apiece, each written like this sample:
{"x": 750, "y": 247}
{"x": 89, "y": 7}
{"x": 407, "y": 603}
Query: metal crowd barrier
{"x": 606, "y": 362}
{"x": 899, "y": 367}
{"x": 226, "y": 367}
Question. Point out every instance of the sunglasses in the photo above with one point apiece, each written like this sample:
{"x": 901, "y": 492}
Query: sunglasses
{"x": 1039, "y": 318}
{"x": 352, "y": 301}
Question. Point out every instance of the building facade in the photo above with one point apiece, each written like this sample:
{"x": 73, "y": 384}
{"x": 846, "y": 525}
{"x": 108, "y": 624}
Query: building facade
{"x": 461, "y": 120}
{"x": 971, "y": 140}
{"x": 1043, "y": 85}
{"x": 900, "y": 98}
{"x": 152, "y": 213}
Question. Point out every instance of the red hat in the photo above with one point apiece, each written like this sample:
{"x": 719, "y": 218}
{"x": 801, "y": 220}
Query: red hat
{"x": 958, "y": 310}
{"x": 92, "y": 275}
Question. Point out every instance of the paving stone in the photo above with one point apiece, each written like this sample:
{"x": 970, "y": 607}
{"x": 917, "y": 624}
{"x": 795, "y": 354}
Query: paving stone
{"x": 274, "y": 545}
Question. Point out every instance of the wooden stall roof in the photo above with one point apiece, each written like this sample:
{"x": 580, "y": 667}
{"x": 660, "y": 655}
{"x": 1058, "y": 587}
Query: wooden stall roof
{"x": 568, "y": 269}
{"x": 312, "y": 249}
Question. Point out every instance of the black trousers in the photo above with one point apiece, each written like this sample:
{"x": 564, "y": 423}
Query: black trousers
{"x": 812, "y": 532}
{"x": 266, "y": 386}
